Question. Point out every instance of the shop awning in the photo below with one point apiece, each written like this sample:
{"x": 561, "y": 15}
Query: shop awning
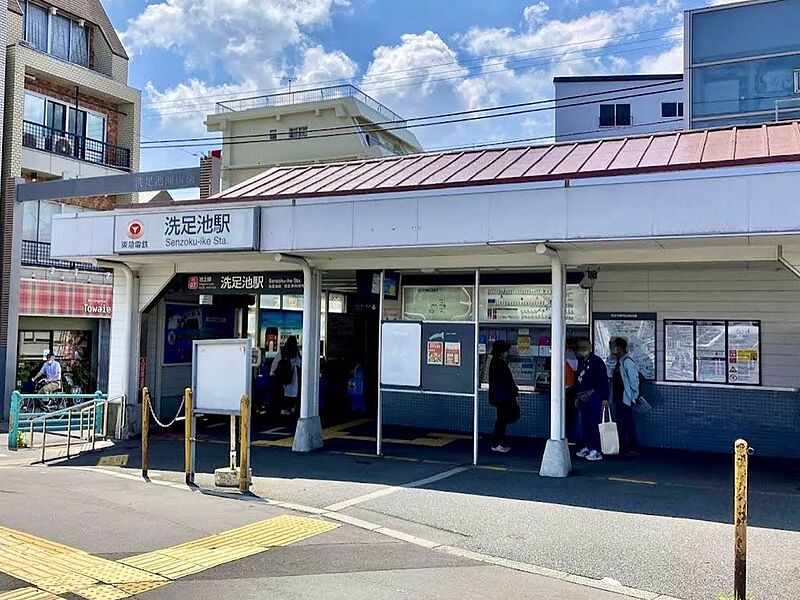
{"x": 670, "y": 151}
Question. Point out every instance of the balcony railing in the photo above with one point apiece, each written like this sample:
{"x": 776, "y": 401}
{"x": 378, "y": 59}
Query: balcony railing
{"x": 299, "y": 97}
{"x": 62, "y": 143}
{"x": 37, "y": 254}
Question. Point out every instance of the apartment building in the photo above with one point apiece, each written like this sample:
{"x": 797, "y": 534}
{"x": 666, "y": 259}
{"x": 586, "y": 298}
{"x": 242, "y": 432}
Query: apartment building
{"x": 69, "y": 113}
{"x": 309, "y": 126}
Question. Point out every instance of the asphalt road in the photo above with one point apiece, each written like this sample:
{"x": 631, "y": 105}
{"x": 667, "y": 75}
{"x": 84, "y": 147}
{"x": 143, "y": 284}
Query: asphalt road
{"x": 658, "y": 523}
{"x": 114, "y": 517}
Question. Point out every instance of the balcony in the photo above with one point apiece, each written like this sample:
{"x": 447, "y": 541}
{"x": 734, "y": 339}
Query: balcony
{"x": 62, "y": 143}
{"x": 335, "y": 92}
{"x": 37, "y": 254}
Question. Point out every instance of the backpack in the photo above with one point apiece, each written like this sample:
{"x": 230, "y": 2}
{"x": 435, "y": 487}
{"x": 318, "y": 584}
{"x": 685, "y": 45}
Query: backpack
{"x": 284, "y": 372}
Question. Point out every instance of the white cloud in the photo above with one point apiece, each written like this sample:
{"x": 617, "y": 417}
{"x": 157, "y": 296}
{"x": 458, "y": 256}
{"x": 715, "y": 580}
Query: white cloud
{"x": 670, "y": 61}
{"x": 245, "y": 44}
{"x": 535, "y": 14}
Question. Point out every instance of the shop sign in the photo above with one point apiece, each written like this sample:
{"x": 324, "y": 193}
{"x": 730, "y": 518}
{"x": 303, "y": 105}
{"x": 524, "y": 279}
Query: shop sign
{"x": 47, "y": 298}
{"x": 221, "y": 230}
{"x": 245, "y": 283}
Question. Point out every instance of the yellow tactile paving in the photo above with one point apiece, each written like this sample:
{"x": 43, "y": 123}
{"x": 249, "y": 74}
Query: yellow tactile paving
{"x": 57, "y": 569}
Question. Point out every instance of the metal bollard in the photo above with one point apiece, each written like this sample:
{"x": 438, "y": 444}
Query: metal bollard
{"x": 13, "y": 422}
{"x": 189, "y": 435}
{"x": 740, "y": 520}
{"x": 244, "y": 445}
{"x": 145, "y": 431}
{"x": 69, "y": 432}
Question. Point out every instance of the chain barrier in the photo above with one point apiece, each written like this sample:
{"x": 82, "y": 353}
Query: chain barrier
{"x": 171, "y": 423}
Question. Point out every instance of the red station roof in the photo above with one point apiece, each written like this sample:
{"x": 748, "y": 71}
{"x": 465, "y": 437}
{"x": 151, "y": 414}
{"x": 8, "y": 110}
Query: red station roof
{"x": 671, "y": 151}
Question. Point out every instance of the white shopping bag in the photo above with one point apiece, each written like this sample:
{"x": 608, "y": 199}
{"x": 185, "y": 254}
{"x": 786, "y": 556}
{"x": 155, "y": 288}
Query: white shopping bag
{"x": 609, "y": 437}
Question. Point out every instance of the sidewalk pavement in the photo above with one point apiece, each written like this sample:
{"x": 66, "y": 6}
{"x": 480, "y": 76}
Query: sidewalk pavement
{"x": 659, "y": 523}
{"x": 117, "y": 536}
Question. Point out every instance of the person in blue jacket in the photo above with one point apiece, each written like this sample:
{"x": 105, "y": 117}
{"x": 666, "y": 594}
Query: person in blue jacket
{"x": 625, "y": 393}
{"x": 591, "y": 395}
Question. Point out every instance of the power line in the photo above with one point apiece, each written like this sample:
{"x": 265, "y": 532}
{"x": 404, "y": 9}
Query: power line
{"x": 379, "y": 124}
{"x": 367, "y": 87}
{"x": 445, "y": 122}
{"x": 422, "y": 67}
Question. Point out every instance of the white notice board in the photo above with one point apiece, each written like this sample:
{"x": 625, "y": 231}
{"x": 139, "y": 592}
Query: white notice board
{"x": 221, "y": 374}
{"x": 401, "y": 353}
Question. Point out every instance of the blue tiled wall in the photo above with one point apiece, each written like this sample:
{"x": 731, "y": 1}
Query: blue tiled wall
{"x": 683, "y": 417}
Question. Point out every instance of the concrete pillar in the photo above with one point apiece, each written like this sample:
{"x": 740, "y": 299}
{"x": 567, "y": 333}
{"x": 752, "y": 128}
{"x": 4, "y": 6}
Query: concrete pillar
{"x": 556, "y": 461}
{"x": 308, "y": 435}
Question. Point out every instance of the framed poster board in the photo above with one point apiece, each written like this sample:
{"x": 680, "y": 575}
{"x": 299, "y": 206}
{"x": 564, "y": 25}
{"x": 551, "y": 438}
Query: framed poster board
{"x": 722, "y": 351}
{"x": 183, "y": 324}
{"x": 442, "y": 303}
{"x": 638, "y": 329}
{"x": 448, "y": 358}
{"x": 401, "y": 354}
{"x": 530, "y": 304}
{"x": 221, "y": 374}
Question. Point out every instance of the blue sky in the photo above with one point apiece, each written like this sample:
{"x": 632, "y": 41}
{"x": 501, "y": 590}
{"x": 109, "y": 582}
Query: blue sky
{"x": 416, "y": 56}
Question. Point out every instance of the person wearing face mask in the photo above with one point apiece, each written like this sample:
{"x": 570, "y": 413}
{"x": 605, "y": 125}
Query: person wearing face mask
{"x": 591, "y": 395}
{"x": 51, "y": 371}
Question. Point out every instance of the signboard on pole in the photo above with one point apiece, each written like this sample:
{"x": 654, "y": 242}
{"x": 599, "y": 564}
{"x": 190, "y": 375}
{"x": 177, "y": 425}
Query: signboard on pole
{"x": 217, "y": 230}
{"x": 221, "y": 375}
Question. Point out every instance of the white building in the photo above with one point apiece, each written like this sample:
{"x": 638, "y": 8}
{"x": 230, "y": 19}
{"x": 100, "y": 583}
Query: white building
{"x": 616, "y": 105}
{"x": 307, "y": 126}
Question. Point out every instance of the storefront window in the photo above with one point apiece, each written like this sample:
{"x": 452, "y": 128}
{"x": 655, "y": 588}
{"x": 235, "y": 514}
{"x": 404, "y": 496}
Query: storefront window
{"x": 73, "y": 349}
{"x": 713, "y": 351}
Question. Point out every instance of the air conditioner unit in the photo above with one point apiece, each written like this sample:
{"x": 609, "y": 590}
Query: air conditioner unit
{"x": 62, "y": 145}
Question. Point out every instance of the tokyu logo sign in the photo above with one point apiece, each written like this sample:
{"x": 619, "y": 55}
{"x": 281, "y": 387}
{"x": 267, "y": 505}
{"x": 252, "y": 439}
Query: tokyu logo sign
{"x": 233, "y": 229}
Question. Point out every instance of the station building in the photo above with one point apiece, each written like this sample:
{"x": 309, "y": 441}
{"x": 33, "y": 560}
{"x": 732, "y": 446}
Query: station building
{"x": 686, "y": 243}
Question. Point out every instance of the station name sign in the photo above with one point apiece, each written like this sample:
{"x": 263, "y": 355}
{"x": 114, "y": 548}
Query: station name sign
{"x": 245, "y": 283}
{"x": 219, "y": 230}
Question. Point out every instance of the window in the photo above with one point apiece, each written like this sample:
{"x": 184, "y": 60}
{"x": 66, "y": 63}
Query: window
{"x": 615, "y": 115}
{"x": 298, "y": 132}
{"x": 36, "y": 26}
{"x": 37, "y": 217}
{"x": 797, "y": 81}
{"x": 58, "y": 116}
{"x": 713, "y": 351}
{"x": 273, "y": 134}
{"x": 671, "y": 109}
{"x": 56, "y": 34}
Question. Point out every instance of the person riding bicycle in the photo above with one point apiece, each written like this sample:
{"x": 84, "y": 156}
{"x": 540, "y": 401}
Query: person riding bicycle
{"x": 51, "y": 371}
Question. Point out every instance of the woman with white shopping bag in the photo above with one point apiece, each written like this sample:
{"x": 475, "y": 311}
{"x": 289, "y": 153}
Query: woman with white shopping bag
{"x": 591, "y": 394}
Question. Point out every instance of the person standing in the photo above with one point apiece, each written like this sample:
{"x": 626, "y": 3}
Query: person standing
{"x": 591, "y": 396}
{"x": 503, "y": 392}
{"x": 286, "y": 370}
{"x": 625, "y": 392}
{"x": 51, "y": 371}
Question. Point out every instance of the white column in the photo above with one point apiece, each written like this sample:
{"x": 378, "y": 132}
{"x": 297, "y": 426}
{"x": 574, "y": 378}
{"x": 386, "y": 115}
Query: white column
{"x": 556, "y": 460}
{"x": 308, "y": 434}
{"x": 558, "y": 334}
{"x": 477, "y": 374}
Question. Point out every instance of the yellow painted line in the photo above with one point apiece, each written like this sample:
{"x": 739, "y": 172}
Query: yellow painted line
{"x": 57, "y": 569}
{"x": 118, "y": 460}
{"x": 626, "y": 480}
{"x": 28, "y": 594}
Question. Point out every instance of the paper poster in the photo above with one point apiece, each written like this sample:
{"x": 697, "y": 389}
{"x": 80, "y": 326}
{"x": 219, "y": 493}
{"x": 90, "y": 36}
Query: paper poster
{"x": 678, "y": 351}
{"x": 524, "y": 345}
{"x": 744, "y": 352}
{"x": 452, "y": 354}
{"x": 711, "y": 358}
{"x": 435, "y": 353}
